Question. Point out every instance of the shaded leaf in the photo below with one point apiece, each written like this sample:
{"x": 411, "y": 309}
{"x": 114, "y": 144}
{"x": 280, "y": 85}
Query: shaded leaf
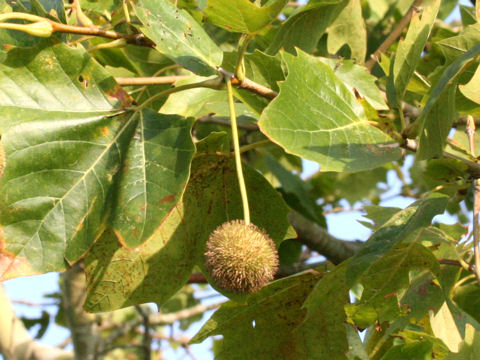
{"x": 155, "y": 171}
{"x": 292, "y": 184}
{"x": 267, "y": 320}
{"x": 118, "y": 277}
{"x": 178, "y": 36}
{"x": 316, "y": 117}
{"x": 312, "y": 19}
{"x": 392, "y": 232}
{"x": 322, "y": 334}
{"x": 388, "y": 276}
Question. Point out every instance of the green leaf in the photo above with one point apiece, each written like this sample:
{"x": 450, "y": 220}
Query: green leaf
{"x": 432, "y": 132}
{"x": 266, "y": 320}
{"x": 242, "y": 16}
{"x": 316, "y": 117}
{"x": 356, "y": 77}
{"x": 471, "y": 90}
{"x": 388, "y": 276}
{"x": 352, "y": 187}
{"x": 118, "y": 277}
{"x": 322, "y": 333}
{"x": 178, "y": 36}
{"x": 445, "y": 328}
{"x": 396, "y": 229}
{"x": 202, "y": 101}
{"x": 66, "y": 136}
{"x": 468, "y": 15}
{"x": 155, "y": 171}
{"x": 349, "y": 28}
{"x": 294, "y": 185}
{"x": 63, "y": 144}
{"x": 455, "y": 46}
{"x": 306, "y": 26}
{"x": 410, "y": 49}
{"x": 469, "y": 348}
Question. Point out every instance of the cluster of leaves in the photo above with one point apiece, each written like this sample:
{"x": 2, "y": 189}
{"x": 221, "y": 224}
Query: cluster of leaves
{"x": 133, "y": 182}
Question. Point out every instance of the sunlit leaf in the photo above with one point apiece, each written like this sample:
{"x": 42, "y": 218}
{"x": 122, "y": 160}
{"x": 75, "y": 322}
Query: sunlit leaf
{"x": 177, "y": 35}
{"x": 316, "y": 117}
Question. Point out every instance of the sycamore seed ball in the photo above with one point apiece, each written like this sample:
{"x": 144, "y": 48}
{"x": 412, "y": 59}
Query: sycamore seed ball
{"x": 241, "y": 258}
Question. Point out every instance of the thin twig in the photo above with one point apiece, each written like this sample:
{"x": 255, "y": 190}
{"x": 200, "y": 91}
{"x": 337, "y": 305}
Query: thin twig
{"x": 394, "y": 35}
{"x": 164, "y": 319}
{"x": 159, "y": 80}
{"x": 135, "y": 39}
{"x": 30, "y": 303}
{"x": 249, "y": 85}
{"x": 254, "y": 145}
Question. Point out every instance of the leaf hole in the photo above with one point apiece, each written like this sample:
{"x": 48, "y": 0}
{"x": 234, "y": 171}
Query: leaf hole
{"x": 83, "y": 81}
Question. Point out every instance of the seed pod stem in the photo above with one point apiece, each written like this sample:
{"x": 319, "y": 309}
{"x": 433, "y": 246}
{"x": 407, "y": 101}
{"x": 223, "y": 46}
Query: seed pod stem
{"x": 236, "y": 149}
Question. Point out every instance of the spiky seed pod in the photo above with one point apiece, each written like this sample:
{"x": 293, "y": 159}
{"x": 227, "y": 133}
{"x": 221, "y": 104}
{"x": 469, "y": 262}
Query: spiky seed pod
{"x": 241, "y": 258}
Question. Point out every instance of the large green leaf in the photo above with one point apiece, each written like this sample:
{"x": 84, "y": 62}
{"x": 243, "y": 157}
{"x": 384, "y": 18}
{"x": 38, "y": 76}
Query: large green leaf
{"x": 385, "y": 278}
{"x": 315, "y": 116}
{"x": 177, "y": 35}
{"x": 306, "y": 26}
{"x": 118, "y": 277}
{"x": 154, "y": 174}
{"x": 267, "y": 320}
{"x": 396, "y": 229}
{"x": 63, "y": 144}
{"x": 410, "y": 49}
{"x": 66, "y": 134}
{"x": 432, "y": 132}
{"x": 349, "y": 28}
{"x": 455, "y": 46}
{"x": 242, "y": 16}
{"x": 323, "y": 334}
{"x": 357, "y": 77}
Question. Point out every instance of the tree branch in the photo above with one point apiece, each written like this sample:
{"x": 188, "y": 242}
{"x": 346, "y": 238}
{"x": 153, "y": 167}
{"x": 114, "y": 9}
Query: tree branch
{"x": 16, "y": 343}
{"x": 165, "y": 319}
{"x": 394, "y": 35}
{"x": 250, "y": 85}
{"x": 80, "y": 323}
{"x": 318, "y": 239}
{"x": 135, "y": 39}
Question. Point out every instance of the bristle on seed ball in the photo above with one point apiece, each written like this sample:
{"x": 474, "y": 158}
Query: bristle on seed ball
{"x": 241, "y": 258}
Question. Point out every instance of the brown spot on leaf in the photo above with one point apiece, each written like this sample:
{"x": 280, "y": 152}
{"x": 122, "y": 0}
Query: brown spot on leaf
{"x": 168, "y": 198}
{"x": 390, "y": 295}
{"x": 121, "y": 95}
{"x": 357, "y": 95}
{"x": 104, "y": 131}
{"x": 12, "y": 267}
